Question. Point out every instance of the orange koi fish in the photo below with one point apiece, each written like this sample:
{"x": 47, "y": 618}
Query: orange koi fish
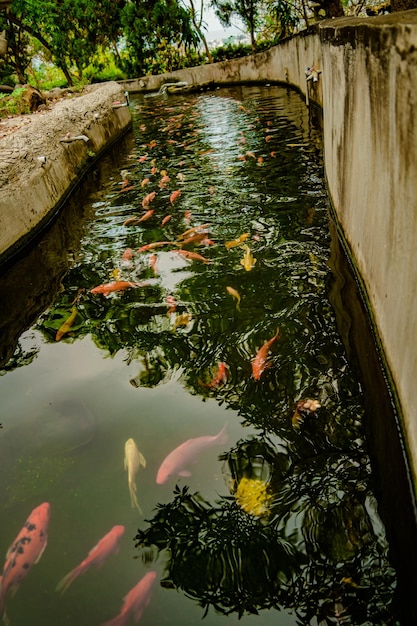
{"x": 193, "y": 256}
{"x": 146, "y": 215}
{"x": 143, "y": 158}
{"x": 220, "y": 378}
{"x": 109, "y": 544}
{"x": 66, "y": 326}
{"x": 130, "y": 220}
{"x": 152, "y": 263}
{"x": 135, "y": 601}
{"x": 125, "y": 188}
{"x": 175, "y": 194}
{"x": 187, "y": 216}
{"x": 236, "y": 242}
{"x": 145, "y": 182}
{"x": 156, "y": 244}
{"x": 127, "y": 255}
{"x": 25, "y": 551}
{"x": 148, "y": 199}
{"x": 194, "y": 239}
{"x": 152, "y": 144}
{"x": 268, "y": 137}
{"x": 163, "y": 182}
{"x": 116, "y": 285}
{"x": 166, "y": 220}
{"x": 192, "y": 230}
{"x": 212, "y": 189}
{"x": 259, "y": 364}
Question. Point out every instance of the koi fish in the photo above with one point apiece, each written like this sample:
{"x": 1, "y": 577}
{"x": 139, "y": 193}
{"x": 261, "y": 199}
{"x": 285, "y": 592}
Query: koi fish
{"x": 145, "y": 182}
{"x": 235, "y": 294}
{"x": 236, "y": 242}
{"x": 109, "y": 544}
{"x": 127, "y": 255}
{"x": 148, "y": 199}
{"x": 135, "y": 601}
{"x": 251, "y": 154}
{"x": 146, "y": 216}
{"x": 268, "y": 137}
{"x": 152, "y": 263}
{"x": 116, "y": 285}
{"x": 193, "y": 256}
{"x": 259, "y": 364}
{"x": 182, "y": 320}
{"x": 194, "y": 239}
{"x": 248, "y": 261}
{"x": 177, "y": 461}
{"x": 220, "y": 378}
{"x": 172, "y": 303}
{"x": 187, "y": 216}
{"x": 133, "y": 460}
{"x": 166, "y": 220}
{"x": 304, "y": 408}
{"x": 25, "y": 551}
{"x": 192, "y": 230}
{"x": 175, "y": 194}
{"x": 130, "y": 220}
{"x": 163, "y": 182}
{"x": 66, "y": 326}
{"x": 156, "y": 244}
{"x": 127, "y": 188}
{"x": 143, "y": 158}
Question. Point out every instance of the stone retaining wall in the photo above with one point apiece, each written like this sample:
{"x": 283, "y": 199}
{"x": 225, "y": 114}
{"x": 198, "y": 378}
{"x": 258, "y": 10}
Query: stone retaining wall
{"x": 368, "y": 92}
{"x": 40, "y": 164}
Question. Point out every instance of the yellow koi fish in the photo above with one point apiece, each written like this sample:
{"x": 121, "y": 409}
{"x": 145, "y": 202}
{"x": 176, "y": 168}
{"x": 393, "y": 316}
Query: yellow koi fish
{"x": 236, "y": 242}
{"x": 248, "y": 261}
{"x": 234, "y": 294}
{"x": 67, "y": 325}
{"x": 133, "y": 460}
{"x": 182, "y": 320}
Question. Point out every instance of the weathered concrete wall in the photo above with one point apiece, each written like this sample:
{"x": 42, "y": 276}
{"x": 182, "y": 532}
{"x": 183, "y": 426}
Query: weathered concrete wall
{"x": 30, "y": 190}
{"x": 368, "y": 91}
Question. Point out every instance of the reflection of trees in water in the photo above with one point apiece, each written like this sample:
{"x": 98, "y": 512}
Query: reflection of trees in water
{"x": 307, "y": 551}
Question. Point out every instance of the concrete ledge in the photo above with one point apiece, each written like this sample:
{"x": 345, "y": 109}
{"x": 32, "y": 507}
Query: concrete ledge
{"x": 31, "y": 190}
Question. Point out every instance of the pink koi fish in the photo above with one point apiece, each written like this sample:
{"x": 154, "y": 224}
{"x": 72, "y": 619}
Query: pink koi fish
{"x": 135, "y": 601}
{"x": 25, "y": 551}
{"x": 177, "y": 461}
{"x": 109, "y": 544}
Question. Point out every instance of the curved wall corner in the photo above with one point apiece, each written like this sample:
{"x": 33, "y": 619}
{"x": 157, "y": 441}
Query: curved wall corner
{"x": 368, "y": 92}
{"x": 41, "y": 164}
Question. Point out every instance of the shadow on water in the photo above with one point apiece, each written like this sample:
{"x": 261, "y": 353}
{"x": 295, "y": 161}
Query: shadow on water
{"x": 301, "y": 518}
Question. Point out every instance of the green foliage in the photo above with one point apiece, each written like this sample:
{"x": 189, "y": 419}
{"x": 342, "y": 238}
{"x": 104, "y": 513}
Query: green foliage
{"x": 13, "y": 104}
{"x": 231, "y": 51}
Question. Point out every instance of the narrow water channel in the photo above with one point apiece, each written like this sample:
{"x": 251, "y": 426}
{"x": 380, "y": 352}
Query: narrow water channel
{"x": 184, "y": 297}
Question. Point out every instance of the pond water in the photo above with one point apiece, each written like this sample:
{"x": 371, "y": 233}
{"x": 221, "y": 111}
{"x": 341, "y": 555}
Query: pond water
{"x": 268, "y": 515}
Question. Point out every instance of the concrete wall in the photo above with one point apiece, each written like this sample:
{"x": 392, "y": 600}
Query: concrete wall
{"x": 368, "y": 91}
{"x": 30, "y": 189}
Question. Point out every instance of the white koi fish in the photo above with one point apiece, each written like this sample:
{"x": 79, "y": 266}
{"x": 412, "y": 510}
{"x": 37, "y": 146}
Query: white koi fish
{"x": 133, "y": 460}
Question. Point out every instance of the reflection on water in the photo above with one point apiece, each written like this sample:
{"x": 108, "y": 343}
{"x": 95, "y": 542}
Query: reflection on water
{"x": 283, "y": 516}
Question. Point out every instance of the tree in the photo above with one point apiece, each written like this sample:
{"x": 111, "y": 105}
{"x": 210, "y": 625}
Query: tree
{"x": 249, "y": 11}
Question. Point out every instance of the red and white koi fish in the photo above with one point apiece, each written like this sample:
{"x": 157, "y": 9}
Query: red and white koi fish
{"x": 148, "y": 199}
{"x": 109, "y": 544}
{"x": 166, "y": 220}
{"x": 156, "y": 244}
{"x": 25, "y": 551}
{"x": 115, "y": 285}
{"x": 175, "y": 194}
{"x": 193, "y": 256}
{"x": 259, "y": 364}
{"x": 135, "y": 601}
{"x": 177, "y": 461}
{"x": 172, "y": 303}
{"x": 220, "y": 378}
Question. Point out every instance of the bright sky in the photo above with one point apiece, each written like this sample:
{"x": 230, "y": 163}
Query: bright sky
{"x": 214, "y": 28}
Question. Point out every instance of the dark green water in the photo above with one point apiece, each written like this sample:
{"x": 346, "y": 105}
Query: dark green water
{"x": 279, "y": 525}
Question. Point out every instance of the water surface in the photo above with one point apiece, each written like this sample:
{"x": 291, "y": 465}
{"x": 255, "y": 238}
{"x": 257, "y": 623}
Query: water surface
{"x": 280, "y": 524}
